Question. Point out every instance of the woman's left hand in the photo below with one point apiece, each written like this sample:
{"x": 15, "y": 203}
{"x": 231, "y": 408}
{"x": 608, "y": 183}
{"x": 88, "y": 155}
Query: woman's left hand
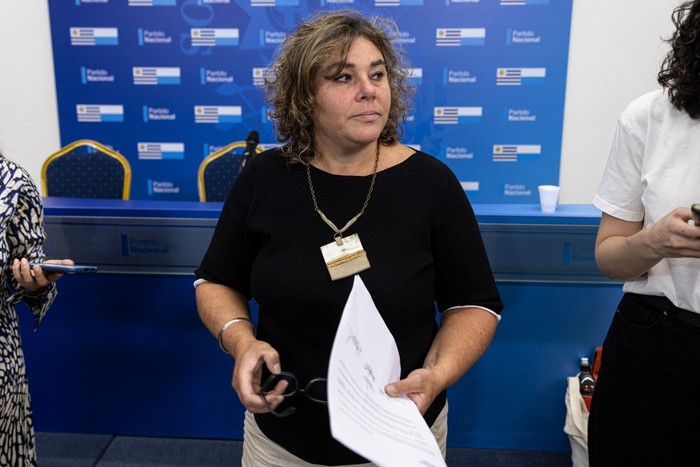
{"x": 420, "y": 386}
{"x": 33, "y": 279}
{"x": 464, "y": 335}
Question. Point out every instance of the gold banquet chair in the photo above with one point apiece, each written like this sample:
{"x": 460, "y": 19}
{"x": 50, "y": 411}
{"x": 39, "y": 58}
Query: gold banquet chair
{"x": 219, "y": 170}
{"x": 86, "y": 169}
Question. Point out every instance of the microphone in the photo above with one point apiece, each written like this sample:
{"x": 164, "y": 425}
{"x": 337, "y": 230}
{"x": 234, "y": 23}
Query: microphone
{"x": 251, "y": 143}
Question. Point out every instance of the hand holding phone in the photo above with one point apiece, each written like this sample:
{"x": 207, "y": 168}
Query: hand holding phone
{"x": 696, "y": 213}
{"x": 65, "y": 268}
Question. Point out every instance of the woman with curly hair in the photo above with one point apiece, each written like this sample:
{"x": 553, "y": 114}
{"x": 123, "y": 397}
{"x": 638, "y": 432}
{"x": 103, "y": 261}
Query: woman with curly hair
{"x": 398, "y": 217}
{"x": 645, "y": 408}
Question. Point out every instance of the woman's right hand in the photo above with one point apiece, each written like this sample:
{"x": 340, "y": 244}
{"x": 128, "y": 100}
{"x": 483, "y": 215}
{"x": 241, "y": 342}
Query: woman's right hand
{"x": 218, "y": 304}
{"x": 33, "y": 279}
{"x": 674, "y": 236}
{"x": 250, "y": 356}
{"x": 625, "y": 250}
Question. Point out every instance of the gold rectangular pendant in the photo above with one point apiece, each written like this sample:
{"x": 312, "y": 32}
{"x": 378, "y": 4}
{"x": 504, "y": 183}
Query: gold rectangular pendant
{"x": 345, "y": 259}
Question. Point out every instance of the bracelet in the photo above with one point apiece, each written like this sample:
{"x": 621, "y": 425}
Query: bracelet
{"x": 229, "y": 323}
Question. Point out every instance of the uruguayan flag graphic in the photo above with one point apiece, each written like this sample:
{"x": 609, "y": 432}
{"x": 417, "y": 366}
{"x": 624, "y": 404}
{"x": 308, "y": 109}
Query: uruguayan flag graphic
{"x": 455, "y": 37}
{"x": 152, "y": 2}
{"x": 214, "y": 37}
{"x": 274, "y": 2}
{"x": 520, "y": 76}
{"x": 154, "y": 76}
{"x": 218, "y": 114}
{"x": 161, "y": 151}
{"x": 524, "y": 2}
{"x": 259, "y": 76}
{"x": 99, "y": 113}
{"x": 398, "y": 2}
{"x": 94, "y": 36}
{"x": 456, "y": 115}
{"x": 415, "y": 75}
{"x": 515, "y": 152}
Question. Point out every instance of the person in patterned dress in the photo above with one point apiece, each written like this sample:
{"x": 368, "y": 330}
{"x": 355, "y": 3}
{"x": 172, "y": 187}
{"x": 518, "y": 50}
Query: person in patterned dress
{"x": 21, "y": 238}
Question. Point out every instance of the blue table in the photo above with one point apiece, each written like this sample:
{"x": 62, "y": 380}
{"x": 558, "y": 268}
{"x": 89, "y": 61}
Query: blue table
{"x": 123, "y": 351}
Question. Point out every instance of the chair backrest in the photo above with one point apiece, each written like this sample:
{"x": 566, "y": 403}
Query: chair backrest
{"x": 86, "y": 169}
{"x": 219, "y": 170}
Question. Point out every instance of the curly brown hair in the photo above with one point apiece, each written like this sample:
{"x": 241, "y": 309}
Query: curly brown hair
{"x": 680, "y": 70}
{"x": 305, "y": 51}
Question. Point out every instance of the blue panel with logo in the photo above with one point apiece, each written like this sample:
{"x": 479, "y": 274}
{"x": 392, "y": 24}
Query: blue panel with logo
{"x": 168, "y": 82}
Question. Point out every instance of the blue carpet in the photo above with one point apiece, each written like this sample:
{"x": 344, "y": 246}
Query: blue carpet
{"x": 70, "y": 450}
{"x": 77, "y": 450}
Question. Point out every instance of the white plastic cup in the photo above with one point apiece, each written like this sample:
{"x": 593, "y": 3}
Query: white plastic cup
{"x": 549, "y": 197}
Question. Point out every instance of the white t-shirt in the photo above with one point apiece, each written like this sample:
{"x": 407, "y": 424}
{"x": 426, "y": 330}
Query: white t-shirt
{"x": 653, "y": 168}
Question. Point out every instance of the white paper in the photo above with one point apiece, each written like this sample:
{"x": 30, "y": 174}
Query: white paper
{"x": 386, "y": 430}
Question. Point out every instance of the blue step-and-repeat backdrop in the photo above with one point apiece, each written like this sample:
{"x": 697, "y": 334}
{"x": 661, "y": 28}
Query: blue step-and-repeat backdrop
{"x": 168, "y": 82}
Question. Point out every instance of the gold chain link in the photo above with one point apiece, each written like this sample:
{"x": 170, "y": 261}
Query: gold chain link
{"x": 364, "y": 206}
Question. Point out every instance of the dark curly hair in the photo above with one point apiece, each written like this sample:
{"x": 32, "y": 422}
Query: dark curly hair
{"x": 304, "y": 52}
{"x": 680, "y": 70}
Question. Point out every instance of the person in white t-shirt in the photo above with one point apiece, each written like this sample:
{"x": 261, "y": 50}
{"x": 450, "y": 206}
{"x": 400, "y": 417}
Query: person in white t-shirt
{"x": 646, "y": 404}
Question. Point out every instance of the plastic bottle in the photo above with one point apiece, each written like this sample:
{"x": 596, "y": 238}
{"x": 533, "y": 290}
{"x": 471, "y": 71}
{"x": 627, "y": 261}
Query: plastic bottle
{"x": 585, "y": 378}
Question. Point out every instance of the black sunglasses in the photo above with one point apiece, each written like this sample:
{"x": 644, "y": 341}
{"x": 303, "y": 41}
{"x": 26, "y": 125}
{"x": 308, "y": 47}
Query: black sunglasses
{"x": 315, "y": 390}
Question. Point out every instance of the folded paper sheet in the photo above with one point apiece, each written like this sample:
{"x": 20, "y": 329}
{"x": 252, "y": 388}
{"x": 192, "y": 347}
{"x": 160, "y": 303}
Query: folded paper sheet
{"x": 388, "y": 431}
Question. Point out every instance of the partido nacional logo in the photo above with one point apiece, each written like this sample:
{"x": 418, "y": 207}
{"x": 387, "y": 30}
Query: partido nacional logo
{"x": 153, "y": 37}
{"x": 271, "y": 39}
{"x": 95, "y": 75}
{"x": 522, "y": 37}
{"x": 511, "y": 115}
{"x": 516, "y": 189}
{"x": 450, "y": 76}
{"x": 458, "y": 152}
{"x": 405, "y": 37}
{"x": 208, "y": 76}
{"x": 162, "y": 187}
{"x": 132, "y": 245}
{"x": 158, "y": 114}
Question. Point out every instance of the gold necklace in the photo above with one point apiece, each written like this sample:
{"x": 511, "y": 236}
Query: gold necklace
{"x": 339, "y": 232}
{"x": 345, "y": 256}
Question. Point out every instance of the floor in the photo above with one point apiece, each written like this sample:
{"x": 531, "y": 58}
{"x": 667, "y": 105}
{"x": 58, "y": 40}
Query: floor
{"x": 77, "y": 450}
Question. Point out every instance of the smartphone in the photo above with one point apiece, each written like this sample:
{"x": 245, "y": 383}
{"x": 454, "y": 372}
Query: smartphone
{"x": 696, "y": 213}
{"x": 66, "y": 269}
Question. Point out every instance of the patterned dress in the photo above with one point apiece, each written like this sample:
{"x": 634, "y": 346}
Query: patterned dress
{"x": 21, "y": 236}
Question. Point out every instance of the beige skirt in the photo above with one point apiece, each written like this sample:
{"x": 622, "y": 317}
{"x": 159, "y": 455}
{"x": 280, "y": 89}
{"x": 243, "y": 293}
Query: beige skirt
{"x": 260, "y": 451}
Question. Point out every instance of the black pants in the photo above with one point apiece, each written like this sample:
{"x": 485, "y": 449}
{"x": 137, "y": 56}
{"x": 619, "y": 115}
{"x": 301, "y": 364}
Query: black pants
{"x": 646, "y": 405}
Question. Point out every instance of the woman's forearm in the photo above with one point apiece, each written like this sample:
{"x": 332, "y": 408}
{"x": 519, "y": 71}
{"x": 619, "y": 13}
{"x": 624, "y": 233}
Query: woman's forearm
{"x": 464, "y": 335}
